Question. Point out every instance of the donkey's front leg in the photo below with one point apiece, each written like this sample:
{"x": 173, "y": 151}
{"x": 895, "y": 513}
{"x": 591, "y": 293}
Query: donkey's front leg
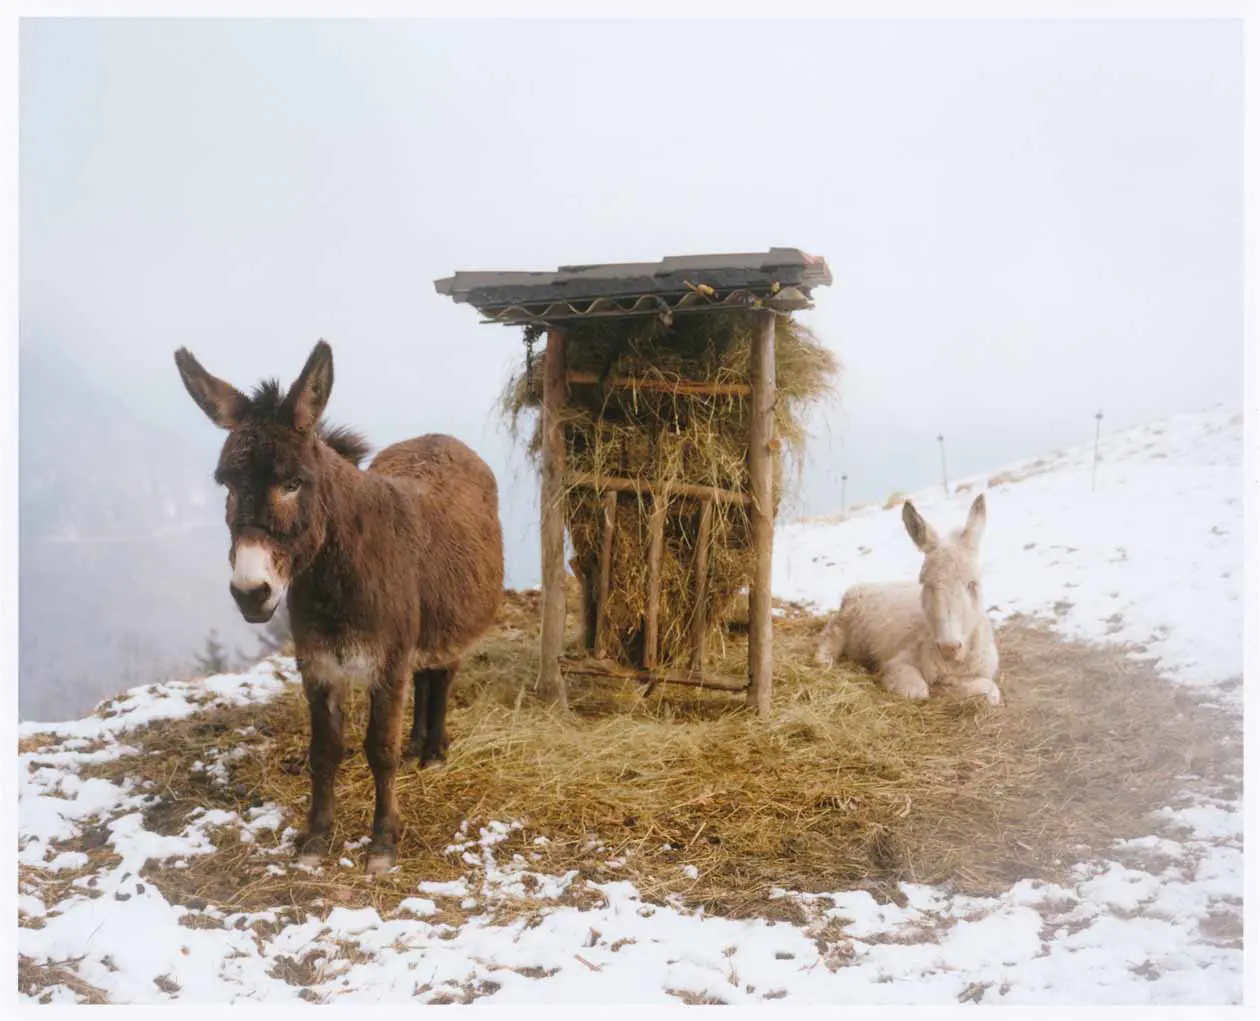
{"x": 831, "y": 641}
{"x": 383, "y": 747}
{"x": 326, "y": 748}
{"x": 985, "y": 686}
{"x": 903, "y": 678}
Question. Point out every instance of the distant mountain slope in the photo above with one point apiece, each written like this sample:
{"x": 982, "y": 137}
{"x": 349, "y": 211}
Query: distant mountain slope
{"x": 122, "y": 567}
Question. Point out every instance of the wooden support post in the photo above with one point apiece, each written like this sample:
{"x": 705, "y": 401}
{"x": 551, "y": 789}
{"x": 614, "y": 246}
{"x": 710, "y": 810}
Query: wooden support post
{"x": 605, "y": 573}
{"x": 699, "y": 620}
{"x": 656, "y": 546}
{"x": 555, "y": 395}
{"x": 761, "y": 477}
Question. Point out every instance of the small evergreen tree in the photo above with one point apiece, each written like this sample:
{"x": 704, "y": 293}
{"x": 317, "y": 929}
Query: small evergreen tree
{"x": 213, "y": 660}
{"x": 276, "y": 639}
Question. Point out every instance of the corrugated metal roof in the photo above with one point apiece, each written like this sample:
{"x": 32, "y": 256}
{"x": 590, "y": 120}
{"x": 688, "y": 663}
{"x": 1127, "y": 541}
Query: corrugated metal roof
{"x": 781, "y": 278}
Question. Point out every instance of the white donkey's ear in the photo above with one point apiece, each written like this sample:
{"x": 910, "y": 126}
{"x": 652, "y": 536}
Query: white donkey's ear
{"x": 923, "y": 534}
{"x": 975, "y": 523}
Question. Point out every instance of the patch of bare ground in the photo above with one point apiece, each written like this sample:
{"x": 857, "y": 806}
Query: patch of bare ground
{"x": 42, "y": 979}
{"x": 456, "y": 992}
{"x": 1223, "y": 927}
{"x": 696, "y": 999}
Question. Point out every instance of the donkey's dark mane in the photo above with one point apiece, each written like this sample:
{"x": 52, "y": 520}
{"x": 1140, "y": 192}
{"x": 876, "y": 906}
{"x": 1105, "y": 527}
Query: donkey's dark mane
{"x": 265, "y": 401}
{"x": 265, "y": 405}
{"x": 346, "y": 442}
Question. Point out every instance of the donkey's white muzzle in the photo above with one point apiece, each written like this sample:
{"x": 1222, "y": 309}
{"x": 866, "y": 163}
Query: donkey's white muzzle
{"x": 256, "y": 584}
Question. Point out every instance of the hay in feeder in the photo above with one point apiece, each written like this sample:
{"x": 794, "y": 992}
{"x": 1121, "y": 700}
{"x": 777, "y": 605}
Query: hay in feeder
{"x": 656, "y": 430}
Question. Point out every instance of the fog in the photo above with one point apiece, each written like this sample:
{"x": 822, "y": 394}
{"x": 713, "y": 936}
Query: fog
{"x": 1027, "y": 222}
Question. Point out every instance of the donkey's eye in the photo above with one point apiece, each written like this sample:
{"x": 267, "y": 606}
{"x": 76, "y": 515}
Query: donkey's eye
{"x": 974, "y": 588}
{"x": 292, "y": 485}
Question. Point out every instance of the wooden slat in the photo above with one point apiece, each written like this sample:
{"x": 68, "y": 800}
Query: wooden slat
{"x": 605, "y": 573}
{"x": 656, "y": 546}
{"x": 603, "y": 668}
{"x": 672, "y": 489}
{"x": 761, "y": 479}
{"x": 677, "y": 386}
{"x": 699, "y": 621}
{"x": 555, "y": 396}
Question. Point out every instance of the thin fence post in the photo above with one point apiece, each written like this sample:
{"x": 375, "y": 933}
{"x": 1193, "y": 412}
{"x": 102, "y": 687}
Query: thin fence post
{"x": 1093, "y": 481}
{"x": 844, "y": 485}
{"x": 940, "y": 438}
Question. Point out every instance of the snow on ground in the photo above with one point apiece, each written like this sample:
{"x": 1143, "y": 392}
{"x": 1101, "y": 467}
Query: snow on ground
{"x": 1153, "y": 557}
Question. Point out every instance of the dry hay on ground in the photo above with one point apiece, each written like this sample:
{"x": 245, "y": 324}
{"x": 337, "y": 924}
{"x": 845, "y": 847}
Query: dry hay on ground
{"x": 651, "y": 434}
{"x": 41, "y": 979}
{"x": 844, "y": 786}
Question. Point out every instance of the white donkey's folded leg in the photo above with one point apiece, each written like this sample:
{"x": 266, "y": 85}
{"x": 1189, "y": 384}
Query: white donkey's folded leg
{"x": 979, "y": 686}
{"x": 902, "y": 678}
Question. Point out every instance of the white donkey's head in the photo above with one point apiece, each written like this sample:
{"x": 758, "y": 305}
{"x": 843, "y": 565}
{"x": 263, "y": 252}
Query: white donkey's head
{"x": 950, "y": 578}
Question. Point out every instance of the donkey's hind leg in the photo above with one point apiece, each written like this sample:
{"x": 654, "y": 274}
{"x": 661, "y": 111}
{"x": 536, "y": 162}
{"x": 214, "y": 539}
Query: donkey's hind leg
{"x": 902, "y": 678}
{"x": 419, "y": 715}
{"x": 429, "y": 742}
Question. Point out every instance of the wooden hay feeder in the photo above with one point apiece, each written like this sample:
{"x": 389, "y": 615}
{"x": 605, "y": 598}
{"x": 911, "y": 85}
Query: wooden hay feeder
{"x": 608, "y": 317}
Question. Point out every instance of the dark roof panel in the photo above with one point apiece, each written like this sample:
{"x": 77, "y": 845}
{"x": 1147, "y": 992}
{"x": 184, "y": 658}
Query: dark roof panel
{"x": 530, "y": 294}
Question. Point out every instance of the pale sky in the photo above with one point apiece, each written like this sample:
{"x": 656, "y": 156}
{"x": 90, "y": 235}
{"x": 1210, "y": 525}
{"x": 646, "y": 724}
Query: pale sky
{"x": 1026, "y": 221}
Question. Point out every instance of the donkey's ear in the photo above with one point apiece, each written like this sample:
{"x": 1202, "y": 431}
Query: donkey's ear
{"x": 223, "y": 404}
{"x": 923, "y": 534}
{"x": 975, "y": 523}
{"x": 306, "y": 399}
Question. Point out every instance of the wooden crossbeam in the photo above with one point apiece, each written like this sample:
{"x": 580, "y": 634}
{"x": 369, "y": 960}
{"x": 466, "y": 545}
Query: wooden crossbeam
{"x": 604, "y": 668}
{"x": 644, "y": 488}
{"x": 685, "y": 387}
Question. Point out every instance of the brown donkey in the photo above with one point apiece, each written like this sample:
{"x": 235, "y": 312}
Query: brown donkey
{"x": 391, "y": 573}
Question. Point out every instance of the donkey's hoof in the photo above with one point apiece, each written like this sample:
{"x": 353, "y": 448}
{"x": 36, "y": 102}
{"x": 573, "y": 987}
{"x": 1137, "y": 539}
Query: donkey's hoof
{"x": 993, "y": 696}
{"x": 311, "y": 850}
{"x": 380, "y": 860}
{"x": 433, "y": 754}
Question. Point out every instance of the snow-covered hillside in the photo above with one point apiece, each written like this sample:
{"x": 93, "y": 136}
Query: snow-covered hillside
{"x": 1153, "y": 557}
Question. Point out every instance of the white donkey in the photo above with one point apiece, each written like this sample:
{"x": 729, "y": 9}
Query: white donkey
{"x": 933, "y": 634}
